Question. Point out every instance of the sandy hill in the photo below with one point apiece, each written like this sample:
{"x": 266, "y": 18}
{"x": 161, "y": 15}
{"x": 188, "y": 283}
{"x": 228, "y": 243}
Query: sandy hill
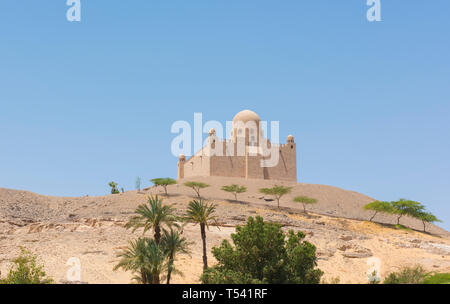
{"x": 91, "y": 228}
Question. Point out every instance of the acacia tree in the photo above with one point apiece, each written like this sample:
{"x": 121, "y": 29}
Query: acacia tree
{"x": 235, "y": 189}
{"x": 154, "y": 215}
{"x": 196, "y": 186}
{"x": 163, "y": 182}
{"x": 305, "y": 201}
{"x": 173, "y": 243}
{"x": 277, "y": 191}
{"x": 202, "y": 213}
{"x": 405, "y": 207}
{"x": 379, "y": 207}
{"x": 426, "y": 217}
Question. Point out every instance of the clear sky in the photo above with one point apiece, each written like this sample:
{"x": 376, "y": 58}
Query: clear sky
{"x": 82, "y": 104}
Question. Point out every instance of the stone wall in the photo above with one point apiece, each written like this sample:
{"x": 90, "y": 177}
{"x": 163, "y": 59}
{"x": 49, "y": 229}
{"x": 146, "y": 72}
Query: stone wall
{"x": 243, "y": 166}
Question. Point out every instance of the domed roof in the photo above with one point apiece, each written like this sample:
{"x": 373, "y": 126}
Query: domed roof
{"x": 245, "y": 116}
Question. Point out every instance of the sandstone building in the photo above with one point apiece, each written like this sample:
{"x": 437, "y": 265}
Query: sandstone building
{"x": 246, "y": 154}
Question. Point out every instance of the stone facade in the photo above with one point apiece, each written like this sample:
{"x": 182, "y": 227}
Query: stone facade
{"x": 246, "y": 154}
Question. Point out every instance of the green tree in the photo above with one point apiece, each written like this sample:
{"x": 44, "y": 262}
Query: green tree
{"x": 405, "y": 207}
{"x": 277, "y": 191}
{"x": 426, "y": 217}
{"x": 262, "y": 253}
{"x": 163, "y": 182}
{"x": 114, "y": 189}
{"x": 146, "y": 258}
{"x": 379, "y": 207}
{"x": 173, "y": 244}
{"x": 235, "y": 189}
{"x": 25, "y": 270}
{"x": 305, "y": 201}
{"x": 202, "y": 213}
{"x": 196, "y": 186}
{"x": 153, "y": 215}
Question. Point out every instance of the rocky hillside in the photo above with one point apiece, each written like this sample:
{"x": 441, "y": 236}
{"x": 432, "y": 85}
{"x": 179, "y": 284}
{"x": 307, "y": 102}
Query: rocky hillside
{"x": 91, "y": 228}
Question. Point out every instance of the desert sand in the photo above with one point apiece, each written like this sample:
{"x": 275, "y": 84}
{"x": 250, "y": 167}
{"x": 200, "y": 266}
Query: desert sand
{"x": 92, "y": 230}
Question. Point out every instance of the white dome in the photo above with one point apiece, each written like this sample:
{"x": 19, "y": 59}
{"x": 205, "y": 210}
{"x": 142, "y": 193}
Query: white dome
{"x": 246, "y": 116}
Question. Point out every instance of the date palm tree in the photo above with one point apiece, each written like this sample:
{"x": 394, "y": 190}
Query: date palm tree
{"x": 202, "y": 213}
{"x": 156, "y": 260}
{"x": 133, "y": 258}
{"x": 153, "y": 216}
{"x": 145, "y": 258}
{"x": 173, "y": 244}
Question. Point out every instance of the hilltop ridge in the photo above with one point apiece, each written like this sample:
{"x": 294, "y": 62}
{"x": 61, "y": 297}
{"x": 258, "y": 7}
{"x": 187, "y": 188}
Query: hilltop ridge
{"x": 91, "y": 228}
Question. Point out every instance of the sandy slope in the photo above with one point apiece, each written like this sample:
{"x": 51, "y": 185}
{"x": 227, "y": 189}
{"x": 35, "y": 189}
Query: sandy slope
{"x": 91, "y": 229}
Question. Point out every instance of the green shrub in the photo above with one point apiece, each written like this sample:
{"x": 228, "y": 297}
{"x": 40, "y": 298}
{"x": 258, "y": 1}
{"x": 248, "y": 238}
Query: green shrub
{"x": 407, "y": 275}
{"x": 25, "y": 270}
{"x": 262, "y": 253}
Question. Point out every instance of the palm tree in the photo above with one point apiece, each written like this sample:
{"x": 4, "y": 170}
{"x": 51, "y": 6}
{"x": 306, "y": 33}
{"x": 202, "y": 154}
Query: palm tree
{"x": 144, "y": 257}
{"x": 173, "y": 243}
{"x": 133, "y": 258}
{"x": 156, "y": 260}
{"x": 154, "y": 215}
{"x": 202, "y": 213}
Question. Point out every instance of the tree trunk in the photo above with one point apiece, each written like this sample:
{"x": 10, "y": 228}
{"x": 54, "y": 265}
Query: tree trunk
{"x": 143, "y": 276}
{"x": 398, "y": 219}
{"x": 203, "y": 233}
{"x": 155, "y": 279}
{"x": 278, "y": 202}
{"x": 165, "y": 190}
{"x": 304, "y": 208}
{"x": 169, "y": 271}
{"x": 157, "y": 234}
{"x": 423, "y": 226}
{"x": 235, "y": 197}
{"x": 373, "y": 215}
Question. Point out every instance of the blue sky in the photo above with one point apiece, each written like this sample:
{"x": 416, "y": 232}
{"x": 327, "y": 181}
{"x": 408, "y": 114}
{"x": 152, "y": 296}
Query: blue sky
{"x": 86, "y": 103}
